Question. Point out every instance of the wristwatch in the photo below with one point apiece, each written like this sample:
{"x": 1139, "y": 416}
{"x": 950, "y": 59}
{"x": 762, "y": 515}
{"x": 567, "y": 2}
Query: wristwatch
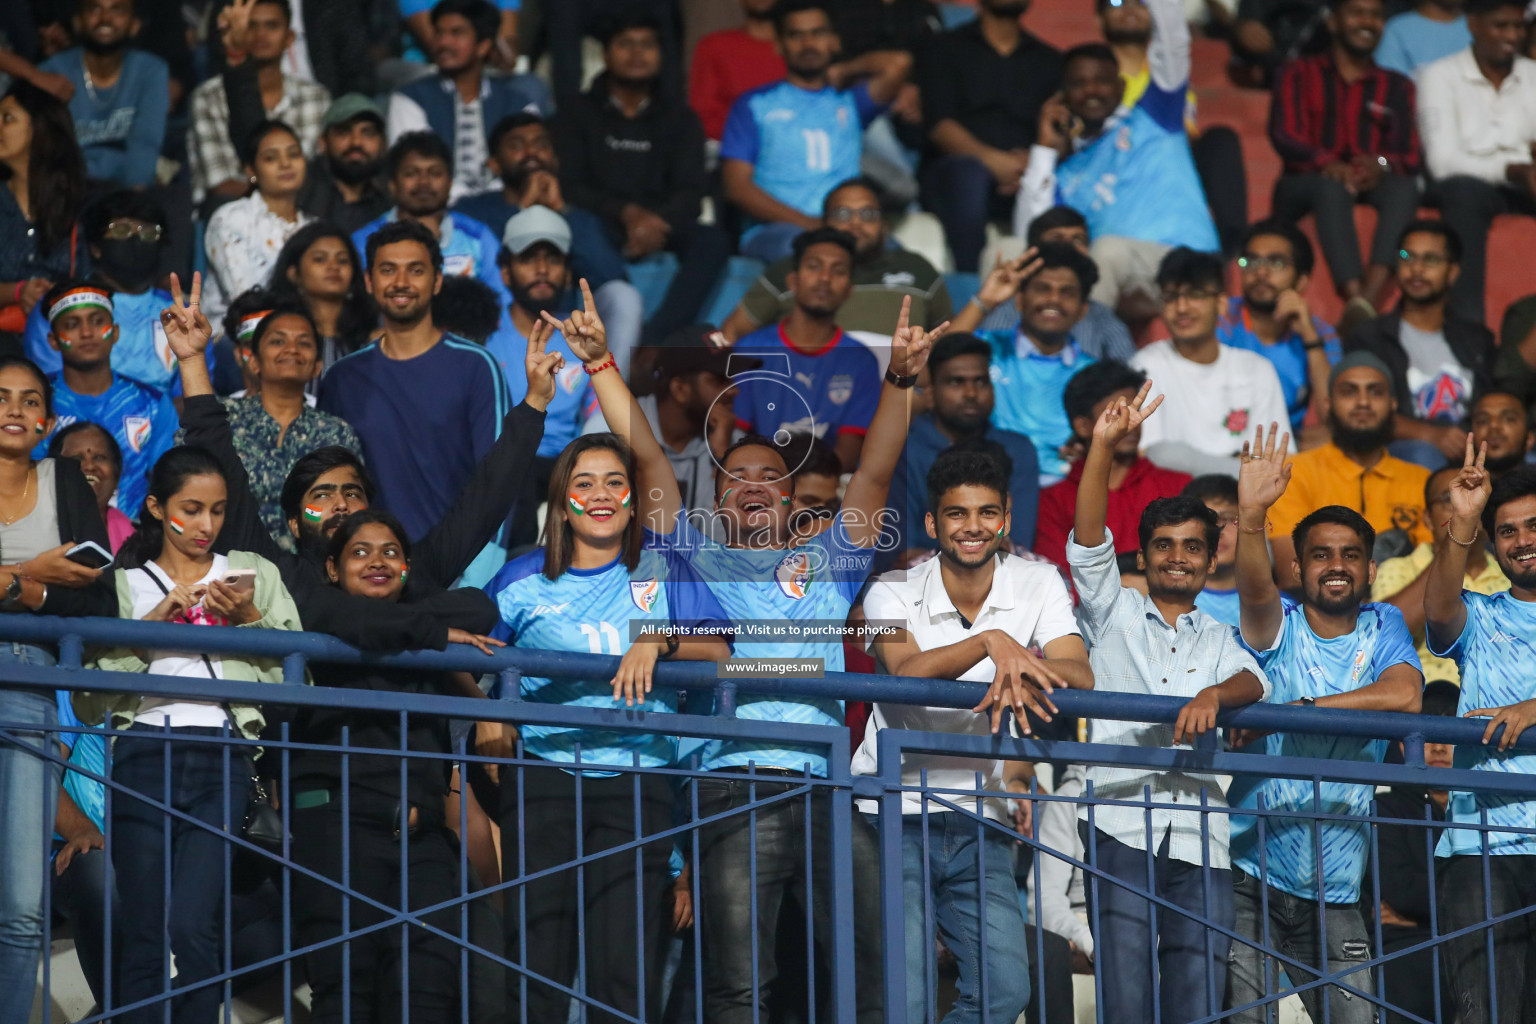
{"x": 1309, "y": 702}
{"x": 897, "y": 380}
{"x": 12, "y": 592}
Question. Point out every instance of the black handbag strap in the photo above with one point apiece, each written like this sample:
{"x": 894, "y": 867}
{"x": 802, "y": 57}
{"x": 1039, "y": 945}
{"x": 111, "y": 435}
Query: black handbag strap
{"x": 207, "y": 661}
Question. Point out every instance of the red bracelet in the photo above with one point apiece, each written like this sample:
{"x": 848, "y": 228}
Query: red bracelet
{"x": 605, "y": 364}
{"x": 16, "y": 297}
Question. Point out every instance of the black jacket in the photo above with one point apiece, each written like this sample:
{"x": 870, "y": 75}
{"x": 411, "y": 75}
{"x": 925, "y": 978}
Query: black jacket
{"x": 322, "y": 199}
{"x": 79, "y": 521}
{"x": 655, "y": 159}
{"x": 1471, "y": 344}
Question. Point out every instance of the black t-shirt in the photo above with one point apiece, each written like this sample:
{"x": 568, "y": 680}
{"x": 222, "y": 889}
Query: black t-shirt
{"x": 996, "y": 98}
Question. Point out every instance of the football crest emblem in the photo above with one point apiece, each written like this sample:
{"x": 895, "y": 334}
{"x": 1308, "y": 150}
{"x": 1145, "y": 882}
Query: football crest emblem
{"x": 793, "y": 574}
{"x": 136, "y": 428}
{"x": 644, "y": 594}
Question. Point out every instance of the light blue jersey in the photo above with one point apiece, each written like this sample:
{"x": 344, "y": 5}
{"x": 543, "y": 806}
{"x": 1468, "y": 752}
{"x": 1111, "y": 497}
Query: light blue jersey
{"x": 574, "y": 399}
{"x": 596, "y": 611}
{"x": 89, "y": 751}
{"x": 758, "y": 586}
{"x": 1302, "y": 664}
{"x": 1028, "y": 386}
{"x": 1221, "y": 605}
{"x": 1496, "y": 655}
{"x": 140, "y": 419}
{"x": 141, "y": 351}
{"x": 801, "y": 144}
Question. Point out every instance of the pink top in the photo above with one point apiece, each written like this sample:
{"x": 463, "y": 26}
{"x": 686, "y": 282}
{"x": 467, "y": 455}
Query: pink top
{"x": 119, "y": 528}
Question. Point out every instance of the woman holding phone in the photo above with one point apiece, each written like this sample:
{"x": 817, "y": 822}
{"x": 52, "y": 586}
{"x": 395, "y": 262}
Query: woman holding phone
{"x": 169, "y": 573}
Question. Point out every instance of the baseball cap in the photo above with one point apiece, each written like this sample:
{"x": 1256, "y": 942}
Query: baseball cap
{"x": 697, "y": 348}
{"x": 533, "y": 225}
{"x": 345, "y": 108}
{"x": 1359, "y": 357}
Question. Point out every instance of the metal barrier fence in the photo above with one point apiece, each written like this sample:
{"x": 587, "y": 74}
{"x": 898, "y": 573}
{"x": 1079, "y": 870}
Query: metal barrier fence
{"x": 755, "y": 842}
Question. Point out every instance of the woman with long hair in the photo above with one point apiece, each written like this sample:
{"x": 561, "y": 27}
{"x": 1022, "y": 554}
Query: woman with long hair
{"x": 319, "y": 268}
{"x": 612, "y": 595}
{"x": 44, "y": 176}
{"x": 101, "y": 460}
{"x": 46, "y": 508}
{"x": 244, "y": 237}
{"x": 170, "y": 573}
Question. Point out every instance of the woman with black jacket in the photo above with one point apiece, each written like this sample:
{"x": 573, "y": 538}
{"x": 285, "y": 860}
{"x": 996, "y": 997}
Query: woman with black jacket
{"x": 46, "y": 507}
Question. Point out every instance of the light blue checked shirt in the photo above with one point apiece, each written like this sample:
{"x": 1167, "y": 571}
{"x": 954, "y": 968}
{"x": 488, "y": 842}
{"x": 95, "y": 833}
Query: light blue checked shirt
{"x": 1134, "y": 650}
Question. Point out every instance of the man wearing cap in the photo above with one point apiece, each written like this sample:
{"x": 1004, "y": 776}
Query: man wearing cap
{"x": 1354, "y": 468}
{"x": 140, "y": 418}
{"x": 345, "y": 184}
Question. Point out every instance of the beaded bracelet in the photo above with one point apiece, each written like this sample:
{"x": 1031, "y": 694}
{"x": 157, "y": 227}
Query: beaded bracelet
{"x": 1446, "y": 526}
{"x": 605, "y": 364}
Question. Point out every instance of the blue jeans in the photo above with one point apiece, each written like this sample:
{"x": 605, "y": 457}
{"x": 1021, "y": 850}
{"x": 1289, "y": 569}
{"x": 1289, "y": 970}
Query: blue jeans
{"x": 957, "y": 880}
{"x": 29, "y": 790}
{"x": 187, "y": 921}
{"x": 1190, "y": 973}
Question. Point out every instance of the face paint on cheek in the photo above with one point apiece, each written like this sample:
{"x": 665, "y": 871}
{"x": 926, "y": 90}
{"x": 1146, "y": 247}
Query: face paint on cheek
{"x": 723, "y": 495}
{"x": 312, "y": 514}
{"x": 575, "y": 504}
{"x": 625, "y": 499}
{"x": 403, "y": 574}
{"x": 999, "y": 533}
{"x": 42, "y": 427}
{"x": 784, "y": 498}
{"x": 176, "y": 527}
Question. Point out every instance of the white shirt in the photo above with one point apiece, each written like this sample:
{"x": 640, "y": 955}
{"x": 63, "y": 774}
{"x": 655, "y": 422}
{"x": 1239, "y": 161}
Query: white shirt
{"x": 296, "y": 58}
{"x": 160, "y": 711}
{"x": 1028, "y": 601}
{"x": 1134, "y": 650}
{"x": 1468, "y": 126}
{"x": 243, "y": 241}
{"x": 471, "y": 174}
{"x": 1212, "y": 407}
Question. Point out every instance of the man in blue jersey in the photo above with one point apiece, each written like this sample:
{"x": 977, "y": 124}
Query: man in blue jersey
{"x": 1128, "y": 170}
{"x": 815, "y": 378}
{"x": 1330, "y": 650}
{"x": 788, "y": 144}
{"x": 1492, "y": 639}
{"x": 426, "y": 406}
{"x": 141, "y": 419}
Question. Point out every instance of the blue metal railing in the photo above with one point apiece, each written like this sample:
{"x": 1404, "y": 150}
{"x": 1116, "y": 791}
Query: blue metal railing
{"x": 298, "y": 650}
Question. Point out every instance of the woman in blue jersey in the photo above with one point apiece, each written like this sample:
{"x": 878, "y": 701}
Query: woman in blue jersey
{"x": 595, "y": 589}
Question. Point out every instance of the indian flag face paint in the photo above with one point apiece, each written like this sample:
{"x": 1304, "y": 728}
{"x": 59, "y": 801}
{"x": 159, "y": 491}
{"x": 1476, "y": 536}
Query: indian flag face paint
{"x": 625, "y": 499}
{"x": 784, "y": 498}
{"x": 312, "y": 514}
{"x": 176, "y": 526}
{"x": 42, "y": 427}
{"x": 576, "y": 505}
{"x": 725, "y": 494}
{"x": 999, "y": 532}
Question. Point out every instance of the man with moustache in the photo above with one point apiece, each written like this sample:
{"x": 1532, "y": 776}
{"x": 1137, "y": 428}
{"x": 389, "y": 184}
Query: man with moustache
{"x": 1500, "y": 421}
{"x": 1492, "y": 639}
{"x": 1156, "y": 643}
{"x": 1329, "y": 650}
{"x": 344, "y": 183}
{"x": 1354, "y": 469}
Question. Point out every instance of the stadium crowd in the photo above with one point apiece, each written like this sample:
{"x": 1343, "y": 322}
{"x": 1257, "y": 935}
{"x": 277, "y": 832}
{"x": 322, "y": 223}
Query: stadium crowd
{"x": 334, "y": 315}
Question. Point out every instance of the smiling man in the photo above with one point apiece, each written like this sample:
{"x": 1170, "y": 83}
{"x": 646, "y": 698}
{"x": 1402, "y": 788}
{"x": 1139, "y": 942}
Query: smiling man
{"x": 1500, "y": 421}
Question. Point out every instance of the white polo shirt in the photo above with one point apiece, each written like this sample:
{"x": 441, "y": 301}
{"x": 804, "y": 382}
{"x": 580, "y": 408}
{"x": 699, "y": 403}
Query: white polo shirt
{"x": 1028, "y": 601}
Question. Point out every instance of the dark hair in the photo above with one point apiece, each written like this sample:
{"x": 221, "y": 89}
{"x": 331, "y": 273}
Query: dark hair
{"x": 983, "y": 445}
{"x": 170, "y": 475}
{"x": 358, "y": 312}
{"x": 509, "y": 124}
{"x": 282, "y": 5}
{"x": 251, "y": 144}
{"x": 1441, "y": 697}
{"x": 1273, "y": 227}
{"x": 247, "y": 302}
{"x": 1058, "y": 255}
{"x": 751, "y": 441}
{"x": 122, "y": 202}
{"x": 557, "y": 538}
{"x": 953, "y": 346}
{"x": 1478, "y": 397}
{"x": 1088, "y": 51}
{"x": 56, "y": 442}
{"x": 806, "y": 453}
{"x": 1426, "y": 226}
{"x": 1489, "y": 6}
{"x": 405, "y": 231}
{"x": 822, "y": 236}
{"x": 1333, "y": 515}
{"x": 786, "y": 9}
{"x": 422, "y": 143}
{"x": 1519, "y": 484}
{"x": 627, "y": 17}
{"x": 867, "y": 184}
{"x": 8, "y": 360}
{"x": 55, "y": 166}
{"x": 312, "y": 467}
{"x": 1095, "y": 382}
{"x": 348, "y": 527}
{"x": 466, "y": 307}
{"x": 1212, "y": 487}
{"x": 283, "y": 309}
{"x": 1172, "y": 512}
{"x": 959, "y": 468}
{"x": 482, "y": 16}
{"x": 1190, "y": 268}
{"x": 1050, "y": 220}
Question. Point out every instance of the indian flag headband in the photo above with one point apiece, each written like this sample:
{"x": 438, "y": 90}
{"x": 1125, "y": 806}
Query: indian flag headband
{"x": 77, "y": 297}
{"x": 249, "y": 323}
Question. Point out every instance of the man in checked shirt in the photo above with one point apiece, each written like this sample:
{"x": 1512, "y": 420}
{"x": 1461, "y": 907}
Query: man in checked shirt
{"x": 1159, "y": 643}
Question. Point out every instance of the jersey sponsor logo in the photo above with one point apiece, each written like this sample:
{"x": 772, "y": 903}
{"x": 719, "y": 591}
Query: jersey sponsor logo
{"x": 779, "y": 114}
{"x": 644, "y": 594}
{"x": 840, "y": 389}
{"x": 898, "y": 279}
{"x": 136, "y": 429}
{"x": 1358, "y": 666}
{"x": 793, "y": 574}
{"x": 64, "y": 421}
{"x": 458, "y": 265}
{"x": 1501, "y": 637}
{"x": 805, "y": 378}
{"x": 550, "y": 609}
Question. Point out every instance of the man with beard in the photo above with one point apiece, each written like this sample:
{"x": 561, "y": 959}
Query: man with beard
{"x": 975, "y": 613}
{"x": 344, "y": 184}
{"x": 882, "y": 276}
{"x": 1354, "y": 469}
{"x": 1500, "y": 421}
{"x": 121, "y": 94}
{"x": 1156, "y": 643}
{"x": 788, "y": 144}
{"x": 1492, "y": 639}
{"x": 1271, "y": 316}
{"x": 425, "y": 405}
{"x": 1346, "y": 131}
{"x": 1438, "y": 360}
{"x": 816, "y": 379}
{"x": 1330, "y": 650}
{"x": 461, "y": 102}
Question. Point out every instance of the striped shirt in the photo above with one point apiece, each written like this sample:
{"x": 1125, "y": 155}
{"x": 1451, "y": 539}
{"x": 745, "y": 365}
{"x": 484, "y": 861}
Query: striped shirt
{"x": 1317, "y": 118}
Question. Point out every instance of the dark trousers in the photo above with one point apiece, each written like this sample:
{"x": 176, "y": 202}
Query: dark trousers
{"x": 702, "y": 251}
{"x": 1469, "y": 206}
{"x": 1219, "y": 161}
{"x": 960, "y": 191}
{"x": 1052, "y": 979}
{"x": 605, "y": 906}
{"x": 186, "y": 919}
{"x": 773, "y": 841}
{"x": 81, "y": 894}
{"x": 1410, "y": 979}
{"x": 1512, "y": 884}
{"x": 1396, "y": 198}
{"x": 363, "y": 976}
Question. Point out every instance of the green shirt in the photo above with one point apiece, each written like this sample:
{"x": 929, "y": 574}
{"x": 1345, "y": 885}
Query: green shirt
{"x": 878, "y": 288}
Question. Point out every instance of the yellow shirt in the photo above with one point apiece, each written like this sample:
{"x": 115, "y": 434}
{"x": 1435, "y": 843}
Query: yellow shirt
{"x": 1395, "y": 574}
{"x": 1136, "y": 84}
{"x": 1390, "y": 494}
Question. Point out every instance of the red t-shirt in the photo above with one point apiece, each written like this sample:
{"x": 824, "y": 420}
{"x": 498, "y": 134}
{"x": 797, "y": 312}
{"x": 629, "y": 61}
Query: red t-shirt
{"x": 725, "y": 65}
{"x": 1058, "y": 506}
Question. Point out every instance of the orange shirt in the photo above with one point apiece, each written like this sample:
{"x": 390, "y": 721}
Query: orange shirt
{"x": 1390, "y": 494}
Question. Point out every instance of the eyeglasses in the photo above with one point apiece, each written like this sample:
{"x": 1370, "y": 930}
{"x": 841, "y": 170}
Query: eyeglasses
{"x": 1171, "y": 297}
{"x": 1248, "y": 261}
{"x": 121, "y": 230}
{"x": 848, "y": 214}
{"x": 1429, "y": 259}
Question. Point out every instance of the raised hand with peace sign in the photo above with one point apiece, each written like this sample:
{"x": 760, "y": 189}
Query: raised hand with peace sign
{"x": 186, "y": 327}
{"x": 583, "y": 329}
{"x": 541, "y": 366}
